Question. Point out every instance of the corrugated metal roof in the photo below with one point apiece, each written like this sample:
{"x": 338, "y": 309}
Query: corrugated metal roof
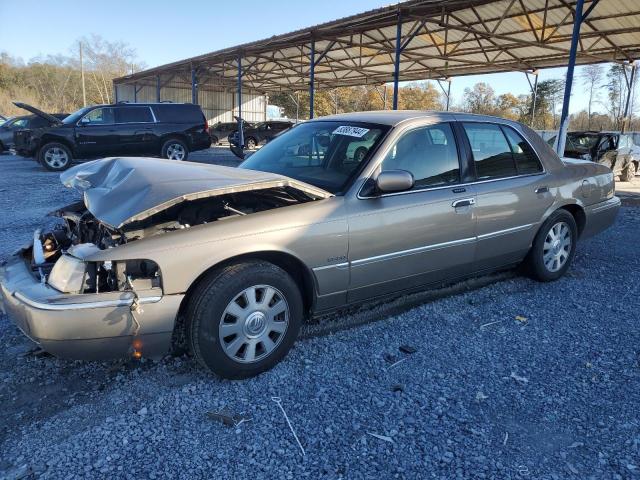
{"x": 444, "y": 38}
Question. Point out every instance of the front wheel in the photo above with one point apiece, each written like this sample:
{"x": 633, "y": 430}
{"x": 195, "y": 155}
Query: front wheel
{"x": 55, "y": 157}
{"x": 553, "y": 248}
{"x": 243, "y": 319}
{"x": 174, "y": 149}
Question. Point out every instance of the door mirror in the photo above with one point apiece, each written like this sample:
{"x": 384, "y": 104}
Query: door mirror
{"x": 390, "y": 181}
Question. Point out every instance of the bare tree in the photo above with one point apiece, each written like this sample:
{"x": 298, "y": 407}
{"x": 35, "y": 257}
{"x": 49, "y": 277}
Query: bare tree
{"x": 592, "y": 79}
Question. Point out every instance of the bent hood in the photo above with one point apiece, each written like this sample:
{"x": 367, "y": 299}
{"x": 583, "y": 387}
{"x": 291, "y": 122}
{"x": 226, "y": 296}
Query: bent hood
{"x": 118, "y": 191}
{"x": 50, "y": 118}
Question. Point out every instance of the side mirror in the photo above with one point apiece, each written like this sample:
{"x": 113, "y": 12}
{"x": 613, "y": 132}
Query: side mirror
{"x": 390, "y": 181}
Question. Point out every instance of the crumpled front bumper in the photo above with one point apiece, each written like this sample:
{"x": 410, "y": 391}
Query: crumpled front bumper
{"x": 87, "y": 326}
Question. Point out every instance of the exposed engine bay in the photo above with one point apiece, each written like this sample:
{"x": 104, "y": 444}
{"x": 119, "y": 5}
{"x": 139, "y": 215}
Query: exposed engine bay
{"x": 55, "y": 255}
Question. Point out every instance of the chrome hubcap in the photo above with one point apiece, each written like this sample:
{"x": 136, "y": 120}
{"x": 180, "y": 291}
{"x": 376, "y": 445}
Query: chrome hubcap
{"x": 254, "y": 323}
{"x": 175, "y": 151}
{"x": 557, "y": 247}
{"x": 56, "y": 157}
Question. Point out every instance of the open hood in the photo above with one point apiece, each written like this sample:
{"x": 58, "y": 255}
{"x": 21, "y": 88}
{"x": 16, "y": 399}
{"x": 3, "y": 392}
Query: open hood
{"x": 118, "y": 191}
{"x": 50, "y": 118}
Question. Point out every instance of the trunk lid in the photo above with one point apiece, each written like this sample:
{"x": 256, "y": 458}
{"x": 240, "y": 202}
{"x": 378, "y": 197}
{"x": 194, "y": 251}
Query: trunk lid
{"x": 50, "y": 118}
{"x": 118, "y": 191}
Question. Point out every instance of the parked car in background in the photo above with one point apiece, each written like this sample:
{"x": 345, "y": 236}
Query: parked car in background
{"x": 221, "y": 130}
{"x": 169, "y": 130}
{"x": 236, "y": 259}
{"x": 613, "y": 149}
{"x": 10, "y": 126}
{"x": 260, "y": 133}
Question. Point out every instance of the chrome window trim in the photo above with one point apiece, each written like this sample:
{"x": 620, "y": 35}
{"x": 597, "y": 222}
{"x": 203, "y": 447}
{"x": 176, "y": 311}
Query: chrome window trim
{"x": 452, "y": 185}
{"x": 79, "y": 122}
{"x": 84, "y": 305}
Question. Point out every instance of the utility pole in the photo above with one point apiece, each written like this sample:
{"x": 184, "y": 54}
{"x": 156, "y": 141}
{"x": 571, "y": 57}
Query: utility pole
{"x": 84, "y": 91}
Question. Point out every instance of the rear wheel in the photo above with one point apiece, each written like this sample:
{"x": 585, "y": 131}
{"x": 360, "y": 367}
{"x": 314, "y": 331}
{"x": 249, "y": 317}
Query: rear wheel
{"x": 243, "y": 319}
{"x": 250, "y": 143}
{"x": 55, "y": 156}
{"x": 553, "y": 248}
{"x": 174, "y": 149}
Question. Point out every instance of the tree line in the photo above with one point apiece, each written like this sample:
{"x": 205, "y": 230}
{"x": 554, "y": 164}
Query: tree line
{"x": 54, "y": 84}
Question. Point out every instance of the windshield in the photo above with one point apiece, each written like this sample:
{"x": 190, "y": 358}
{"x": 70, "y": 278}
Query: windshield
{"x": 325, "y": 154}
{"x": 582, "y": 140}
{"x": 75, "y": 116}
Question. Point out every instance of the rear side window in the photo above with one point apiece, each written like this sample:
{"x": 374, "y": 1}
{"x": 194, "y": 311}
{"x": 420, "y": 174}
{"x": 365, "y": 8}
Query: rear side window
{"x": 178, "y": 113}
{"x": 429, "y": 153}
{"x": 133, "y": 115}
{"x": 491, "y": 151}
{"x": 526, "y": 159}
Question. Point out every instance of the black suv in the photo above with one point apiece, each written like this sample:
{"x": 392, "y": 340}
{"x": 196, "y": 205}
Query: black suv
{"x": 261, "y": 133}
{"x": 170, "y": 130}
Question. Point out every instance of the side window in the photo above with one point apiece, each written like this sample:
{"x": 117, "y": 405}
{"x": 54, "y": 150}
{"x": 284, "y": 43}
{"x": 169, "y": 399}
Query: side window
{"x": 133, "y": 115}
{"x": 526, "y": 159}
{"x": 429, "y": 153}
{"x": 491, "y": 152}
{"x": 38, "y": 122}
{"x": 98, "y": 116}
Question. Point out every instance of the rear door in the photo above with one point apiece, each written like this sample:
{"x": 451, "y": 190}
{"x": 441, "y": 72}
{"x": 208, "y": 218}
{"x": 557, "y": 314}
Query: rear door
{"x": 402, "y": 240}
{"x": 513, "y": 193}
{"x": 95, "y": 133}
{"x": 135, "y": 126}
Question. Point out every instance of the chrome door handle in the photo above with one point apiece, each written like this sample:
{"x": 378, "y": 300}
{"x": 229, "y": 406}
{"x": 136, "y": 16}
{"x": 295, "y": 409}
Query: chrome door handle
{"x": 464, "y": 202}
{"x": 542, "y": 190}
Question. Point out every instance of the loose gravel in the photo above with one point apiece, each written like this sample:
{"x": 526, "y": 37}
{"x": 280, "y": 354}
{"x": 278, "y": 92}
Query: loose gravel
{"x": 517, "y": 379}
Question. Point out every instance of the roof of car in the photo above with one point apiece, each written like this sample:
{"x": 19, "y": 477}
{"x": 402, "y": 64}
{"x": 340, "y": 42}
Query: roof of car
{"x": 395, "y": 117}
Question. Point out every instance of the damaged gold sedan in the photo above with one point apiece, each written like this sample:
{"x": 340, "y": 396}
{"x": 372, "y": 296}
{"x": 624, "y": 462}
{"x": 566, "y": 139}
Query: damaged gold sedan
{"x": 334, "y": 212}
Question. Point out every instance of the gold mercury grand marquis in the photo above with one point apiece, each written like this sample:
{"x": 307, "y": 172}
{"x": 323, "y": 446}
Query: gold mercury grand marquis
{"x": 336, "y": 211}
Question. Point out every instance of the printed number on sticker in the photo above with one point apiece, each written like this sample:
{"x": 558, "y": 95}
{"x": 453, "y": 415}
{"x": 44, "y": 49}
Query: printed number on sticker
{"x": 350, "y": 131}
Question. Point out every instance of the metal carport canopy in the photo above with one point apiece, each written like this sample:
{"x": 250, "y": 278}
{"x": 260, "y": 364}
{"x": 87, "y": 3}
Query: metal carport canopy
{"x": 434, "y": 39}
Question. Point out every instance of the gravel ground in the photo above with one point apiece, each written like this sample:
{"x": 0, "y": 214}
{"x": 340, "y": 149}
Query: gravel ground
{"x": 514, "y": 380}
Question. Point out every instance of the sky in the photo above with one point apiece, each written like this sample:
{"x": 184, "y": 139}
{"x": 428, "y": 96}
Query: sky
{"x": 163, "y": 31}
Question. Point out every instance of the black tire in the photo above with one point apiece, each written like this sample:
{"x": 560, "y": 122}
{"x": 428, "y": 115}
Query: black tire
{"x": 207, "y": 312}
{"x": 250, "y": 143}
{"x": 214, "y": 140}
{"x": 535, "y": 261}
{"x": 629, "y": 172}
{"x": 174, "y": 149}
{"x": 55, "y": 156}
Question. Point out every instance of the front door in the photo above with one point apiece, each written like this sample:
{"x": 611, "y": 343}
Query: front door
{"x": 513, "y": 193}
{"x": 424, "y": 235}
{"x": 96, "y": 134}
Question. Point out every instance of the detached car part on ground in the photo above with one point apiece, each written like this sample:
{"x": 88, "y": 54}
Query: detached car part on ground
{"x": 169, "y": 130}
{"x": 234, "y": 260}
{"x": 613, "y": 149}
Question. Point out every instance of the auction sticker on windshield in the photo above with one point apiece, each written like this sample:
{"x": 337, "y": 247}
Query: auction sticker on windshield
{"x": 350, "y": 131}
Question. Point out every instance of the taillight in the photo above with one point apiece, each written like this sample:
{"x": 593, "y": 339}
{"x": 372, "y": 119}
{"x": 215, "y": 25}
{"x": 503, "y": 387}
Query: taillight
{"x": 206, "y": 126}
